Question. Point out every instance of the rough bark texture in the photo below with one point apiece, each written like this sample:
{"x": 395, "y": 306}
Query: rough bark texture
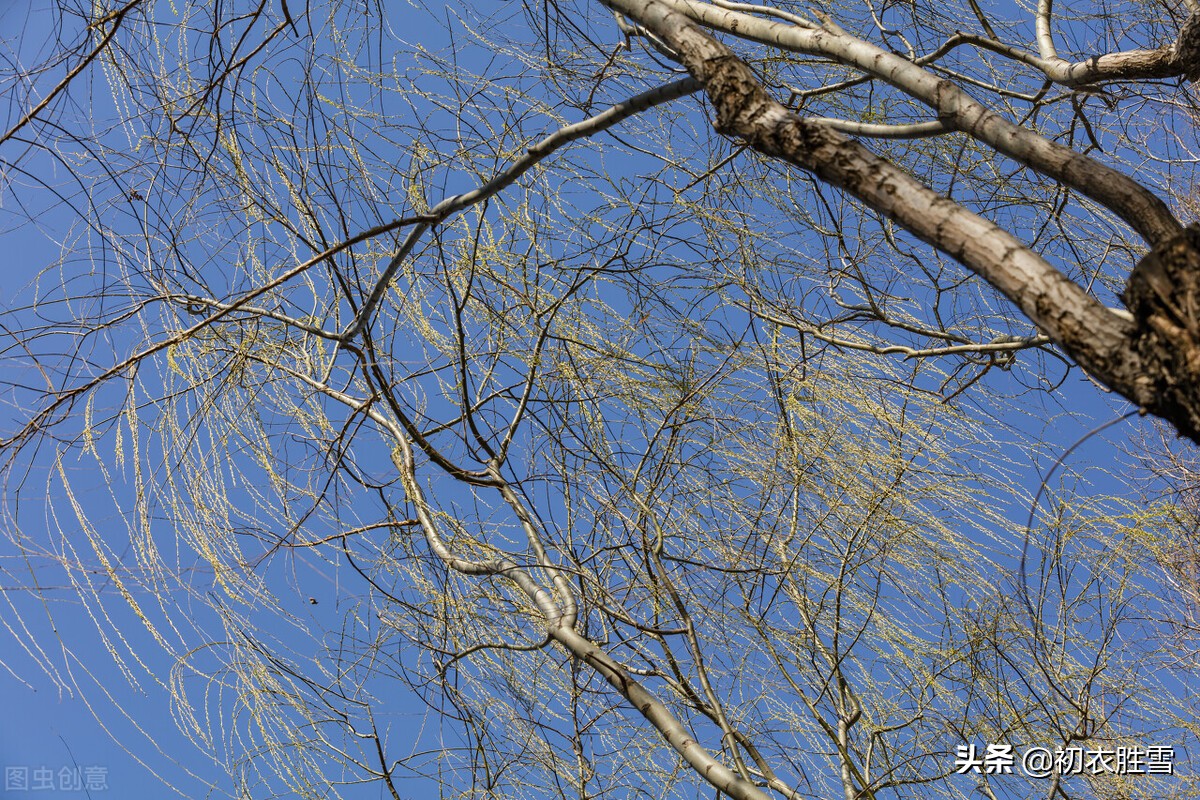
{"x": 1187, "y": 48}
{"x": 1137, "y": 205}
{"x": 1164, "y": 297}
{"x": 1153, "y": 361}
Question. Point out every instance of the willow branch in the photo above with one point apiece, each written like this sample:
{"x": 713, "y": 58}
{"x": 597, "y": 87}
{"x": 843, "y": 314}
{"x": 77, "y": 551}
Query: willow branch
{"x": 533, "y": 155}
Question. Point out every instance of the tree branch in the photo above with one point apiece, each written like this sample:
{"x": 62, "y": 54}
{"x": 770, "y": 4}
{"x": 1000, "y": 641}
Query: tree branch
{"x": 1080, "y": 324}
{"x": 1141, "y": 209}
{"x": 535, "y": 154}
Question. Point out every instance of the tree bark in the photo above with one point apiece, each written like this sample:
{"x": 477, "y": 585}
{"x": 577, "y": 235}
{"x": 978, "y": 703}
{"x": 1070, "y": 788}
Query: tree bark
{"x": 1164, "y": 297}
{"x": 1152, "y": 359}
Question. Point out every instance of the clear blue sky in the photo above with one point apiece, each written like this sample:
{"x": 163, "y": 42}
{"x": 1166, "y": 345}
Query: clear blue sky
{"x": 46, "y": 732}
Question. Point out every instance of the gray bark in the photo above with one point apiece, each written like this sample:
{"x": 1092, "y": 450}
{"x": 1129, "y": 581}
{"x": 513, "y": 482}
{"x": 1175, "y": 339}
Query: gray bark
{"x": 1152, "y": 359}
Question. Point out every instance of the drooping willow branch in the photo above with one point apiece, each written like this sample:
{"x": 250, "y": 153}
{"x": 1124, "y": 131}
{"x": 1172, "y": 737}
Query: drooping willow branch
{"x": 422, "y": 222}
{"x": 533, "y": 156}
{"x": 557, "y": 606}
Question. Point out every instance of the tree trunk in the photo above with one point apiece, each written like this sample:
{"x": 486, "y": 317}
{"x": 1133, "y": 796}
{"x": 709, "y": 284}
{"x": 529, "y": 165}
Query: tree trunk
{"x": 1164, "y": 296}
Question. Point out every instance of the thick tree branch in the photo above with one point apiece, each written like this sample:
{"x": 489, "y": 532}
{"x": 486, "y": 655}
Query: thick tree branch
{"x": 1140, "y": 208}
{"x": 1164, "y": 296}
{"x": 1152, "y": 359}
{"x": 1131, "y": 65}
{"x": 658, "y": 715}
{"x": 1070, "y": 317}
{"x": 1045, "y": 41}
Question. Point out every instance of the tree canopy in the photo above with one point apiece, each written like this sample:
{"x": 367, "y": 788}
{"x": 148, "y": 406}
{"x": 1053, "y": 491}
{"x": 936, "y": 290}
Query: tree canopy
{"x": 665, "y": 397}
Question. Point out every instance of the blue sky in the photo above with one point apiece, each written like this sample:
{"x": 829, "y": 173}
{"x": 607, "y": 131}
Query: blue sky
{"x": 49, "y": 728}
{"x": 83, "y": 729}
{"x": 51, "y": 742}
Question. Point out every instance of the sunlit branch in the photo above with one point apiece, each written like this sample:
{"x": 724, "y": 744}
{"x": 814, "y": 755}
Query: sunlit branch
{"x": 875, "y": 130}
{"x": 67, "y": 396}
{"x": 766, "y": 11}
{"x": 1142, "y": 210}
{"x": 999, "y": 345}
{"x": 1042, "y": 23}
{"x": 115, "y": 18}
{"x": 1126, "y": 65}
{"x": 533, "y": 156}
